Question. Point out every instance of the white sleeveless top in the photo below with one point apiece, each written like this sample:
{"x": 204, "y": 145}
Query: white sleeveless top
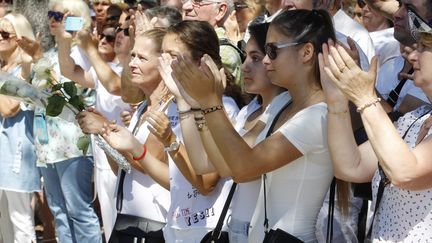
{"x": 142, "y": 196}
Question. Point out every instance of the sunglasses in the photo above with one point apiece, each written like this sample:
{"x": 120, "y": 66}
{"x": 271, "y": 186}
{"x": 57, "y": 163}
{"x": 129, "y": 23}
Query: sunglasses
{"x": 5, "y": 35}
{"x": 361, "y": 3}
{"x": 271, "y": 48}
{"x": 113, "y": 18}
{"x": 6, "y": 1}
{"x": 108, "y": 38}
{"x": 125, "y": 31}
{"x": 58, "y": 16}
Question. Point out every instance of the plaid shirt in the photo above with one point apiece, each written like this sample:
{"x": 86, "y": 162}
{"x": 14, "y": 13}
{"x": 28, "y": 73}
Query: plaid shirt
{"x": 230, "y": 57}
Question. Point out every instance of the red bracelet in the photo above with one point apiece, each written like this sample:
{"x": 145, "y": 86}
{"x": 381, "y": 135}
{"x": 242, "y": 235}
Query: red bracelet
{"x": 142, "y": 155}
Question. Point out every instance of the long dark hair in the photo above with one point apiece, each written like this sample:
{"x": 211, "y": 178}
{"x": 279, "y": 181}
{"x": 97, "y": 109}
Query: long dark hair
{"x": 307, "y": 26}
{"x": 200, "y": 38}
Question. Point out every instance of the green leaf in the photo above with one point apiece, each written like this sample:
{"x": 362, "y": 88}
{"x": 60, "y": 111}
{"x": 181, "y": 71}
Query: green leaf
{"x": 55, "y": 105}
{"x": 56, "y": 87}
{"x": 70, "y": 88}
{"x": 76, "y": 102}
{"x": 83, "y": 143}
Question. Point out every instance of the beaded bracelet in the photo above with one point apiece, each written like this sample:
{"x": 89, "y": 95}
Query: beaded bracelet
{"x": 363, "y": 107}
{"x": 142, "y": 155}
{"x": 212, "y": 109}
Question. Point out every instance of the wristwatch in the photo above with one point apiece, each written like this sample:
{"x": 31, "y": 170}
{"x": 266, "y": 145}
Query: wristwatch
{"x": 174, "y": 146}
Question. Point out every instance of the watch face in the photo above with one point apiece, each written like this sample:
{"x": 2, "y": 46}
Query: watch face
{"x": 174, "y": 146}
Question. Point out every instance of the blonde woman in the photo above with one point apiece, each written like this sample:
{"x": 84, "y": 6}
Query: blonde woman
{"x": 67, "y": 172}
{"x": 19, "y": 176}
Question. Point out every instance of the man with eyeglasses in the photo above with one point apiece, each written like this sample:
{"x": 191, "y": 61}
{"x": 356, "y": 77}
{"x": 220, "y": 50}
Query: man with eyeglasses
{"x": 215, "y": 12}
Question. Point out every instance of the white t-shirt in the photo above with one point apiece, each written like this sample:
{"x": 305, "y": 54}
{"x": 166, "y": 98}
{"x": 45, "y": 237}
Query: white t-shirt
{"x": 295, "y": 192}
{"x": 189, "y": 209}
{"x": 349, "y": 27}
{"x": 386, "y": 46}
{"x": 142, "y": 196}
{"x": 244, "y": 199}
{"x": 387, "y": 80}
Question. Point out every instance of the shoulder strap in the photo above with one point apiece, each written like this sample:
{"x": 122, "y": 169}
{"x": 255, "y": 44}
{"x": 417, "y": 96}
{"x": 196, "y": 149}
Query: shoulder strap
{"x": 394, "y": 94}
{"x": 217, "y": 230}
{"x": 264, "y": 177}
{"x": 331, "y": 211}
{"x": 119, "y": 199}
{"x": 227, "y": 42}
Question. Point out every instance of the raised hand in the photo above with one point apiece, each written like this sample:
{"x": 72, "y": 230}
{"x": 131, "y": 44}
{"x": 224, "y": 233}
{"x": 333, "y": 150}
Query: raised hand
{"x": 87, "y": 40}
{"x": 356, "y": 84}
{"x": 198, "y": 81}
{"x": 175, "y": 88}
{"x": 31, "y": 47}
{"x": 334, "y": 96}
{"x": 143, "y": 23}
{"x": 160, "y": 127}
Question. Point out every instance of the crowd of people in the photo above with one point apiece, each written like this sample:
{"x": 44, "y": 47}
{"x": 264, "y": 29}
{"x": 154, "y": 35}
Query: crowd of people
{"x": 234, "y": 114}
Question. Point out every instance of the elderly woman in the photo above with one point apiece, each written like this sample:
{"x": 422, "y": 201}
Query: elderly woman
{"x": 396, "y": 159}
{"x": 19, "y": 176}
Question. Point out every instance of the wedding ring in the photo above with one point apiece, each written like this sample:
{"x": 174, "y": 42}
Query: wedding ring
{"x": 342, "y": 69}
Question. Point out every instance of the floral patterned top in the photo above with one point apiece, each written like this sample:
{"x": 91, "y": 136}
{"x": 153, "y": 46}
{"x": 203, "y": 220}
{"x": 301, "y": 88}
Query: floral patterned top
{"x": 56, "y": 138}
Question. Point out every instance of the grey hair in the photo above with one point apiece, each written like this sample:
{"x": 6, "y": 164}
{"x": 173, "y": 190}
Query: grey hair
{"x": 230, "y": 8}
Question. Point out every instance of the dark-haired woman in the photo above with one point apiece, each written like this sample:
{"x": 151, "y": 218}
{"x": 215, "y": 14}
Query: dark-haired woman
{"x": 295, "y": 157}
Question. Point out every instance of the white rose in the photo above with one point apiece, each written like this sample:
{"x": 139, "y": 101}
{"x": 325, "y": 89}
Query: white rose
{"x": 41, "y": 69}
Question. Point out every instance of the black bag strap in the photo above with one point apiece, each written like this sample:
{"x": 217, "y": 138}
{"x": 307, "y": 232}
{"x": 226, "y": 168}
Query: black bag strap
{"x": 331, "y": 211}
{"x": 119, "y": 199}
{"x": 218, "y": 229}
{"x": 227, "y": 42}
{"x": 394, "y": 94}
{"x": 269, "y": 132}
{"x": 384, "y": 181}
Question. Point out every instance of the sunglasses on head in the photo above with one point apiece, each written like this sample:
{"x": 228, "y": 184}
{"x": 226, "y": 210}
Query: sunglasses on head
{"x": 108, "y": 38}
{"x": 125, "y": 31}
{"x": 5, "y": 35}
{"x": 58, "y": 16}
{"x": 271, "y": 48}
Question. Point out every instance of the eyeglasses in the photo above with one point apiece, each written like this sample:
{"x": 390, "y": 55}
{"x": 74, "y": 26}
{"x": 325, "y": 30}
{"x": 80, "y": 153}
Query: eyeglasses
{"x": 5, "y": 35}
{"x": 125, "y": 31}
{"x": 239, "y": 5}
{"x": 108, "y": 38}
{"x": 58, "y": 16}
{"x": 200, "y": 3}
{"x": 271, "y": 48}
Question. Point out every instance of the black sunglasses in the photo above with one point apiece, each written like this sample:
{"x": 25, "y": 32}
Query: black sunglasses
{"x": 125, "y": 31}
{"x": 58, "y": 16}
{"x": 5, "y": 35}
{"x": 271, "y": 48}
{"x": 361, "y": 3}
{"x": 6, "y": 1}
{"x": 108, "y": 38}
